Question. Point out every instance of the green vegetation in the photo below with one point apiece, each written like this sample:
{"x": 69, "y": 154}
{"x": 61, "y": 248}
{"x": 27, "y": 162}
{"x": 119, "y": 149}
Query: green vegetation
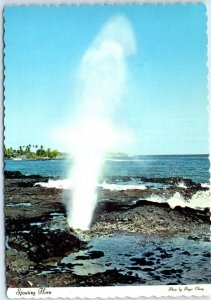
{"x": 37, "y": 152}
{"x": 31, "y": 152}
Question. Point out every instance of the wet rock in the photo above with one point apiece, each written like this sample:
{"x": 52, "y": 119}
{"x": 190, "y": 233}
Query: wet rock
{"x": 82, "y": 257}
{"x": 110, "y": 277}
{"x": 19, "y": 175}
{"x": 166, "y": 255}
{"x": 142, "y": 261}
{"x": 171, "y": 271}
{"x": 52, "y": 243}
{"x": 167, "y": 272}
{"x": 95, "y": 254}
{"x": 134, "y": 268}
{"x": 156, "y": 277}
{"x": 43, "y": 244}
{"x": 112, "y": 206}
{"x": 207, "y": 254}
{"x": 90, "y": 255}
{"x": 107, "y": 278}
{"x": 147, "y": 269}
{"x": 194, "y": 238}
{"x": 186, "y": 253}
{"x": 14, "y": 174}
{"x": 150, "y": 203}
{"x": 193, "y": 213}
{"x": 26, "y": 183}
{"x": 179, "y": 271}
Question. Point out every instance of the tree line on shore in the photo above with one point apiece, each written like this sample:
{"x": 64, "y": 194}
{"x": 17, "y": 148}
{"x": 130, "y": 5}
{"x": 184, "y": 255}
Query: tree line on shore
{"x": 30, "y": 152}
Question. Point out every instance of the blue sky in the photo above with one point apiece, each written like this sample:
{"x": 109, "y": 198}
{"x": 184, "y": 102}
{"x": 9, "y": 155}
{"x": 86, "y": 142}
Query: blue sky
{"x": 166, "y": 101}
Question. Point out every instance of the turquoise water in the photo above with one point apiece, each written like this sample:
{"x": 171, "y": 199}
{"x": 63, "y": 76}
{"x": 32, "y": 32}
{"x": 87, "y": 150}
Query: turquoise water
{"x": 195, "y": 167}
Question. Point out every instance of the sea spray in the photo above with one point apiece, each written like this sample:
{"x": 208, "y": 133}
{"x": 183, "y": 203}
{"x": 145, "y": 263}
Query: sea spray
{"x": 200, "y": 200}
{"x": 100, "y": 86}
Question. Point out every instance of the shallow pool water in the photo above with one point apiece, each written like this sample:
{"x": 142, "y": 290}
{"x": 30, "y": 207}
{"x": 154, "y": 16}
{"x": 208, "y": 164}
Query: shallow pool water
{"x": 155, "y": 260}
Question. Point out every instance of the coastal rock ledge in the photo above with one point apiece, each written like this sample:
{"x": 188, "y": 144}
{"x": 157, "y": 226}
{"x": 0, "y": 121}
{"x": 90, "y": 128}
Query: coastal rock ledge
{"x": 38, "y": 236}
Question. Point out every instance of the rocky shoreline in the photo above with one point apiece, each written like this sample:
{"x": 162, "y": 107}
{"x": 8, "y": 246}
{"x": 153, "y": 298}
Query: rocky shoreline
{"x": 38, "y": 236}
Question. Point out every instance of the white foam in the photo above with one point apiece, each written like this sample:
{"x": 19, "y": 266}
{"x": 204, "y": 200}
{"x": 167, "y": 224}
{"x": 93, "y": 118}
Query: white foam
{"x": 57, "y": 184}
{"x": 199, "y": 200}
{"x": 122, "y": 187}
{"x": 181, "y": 185}
{"x": 68, "y": 184}
{"x": 206, "y": 185}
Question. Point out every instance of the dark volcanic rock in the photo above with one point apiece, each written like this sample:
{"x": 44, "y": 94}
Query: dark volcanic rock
{"x": 171, "y": 272}
{"x": 108, "y": 206}
{"x": 142, "y": 261}
{"x": 194, "y": 213}
{"x": 19, "y": 175}
{"x": 26, "y": 183}
{"x": 107, "y": 278}
{"x": 150, "y": 203}
{"x": 14, "y": 174}
{"x": 90, "y": 255}
{"x": 207, "y": 254}
{"x": 41, "y": 244}
{"x": 45, "y": 244}
{"x": 95, "y": 254}
{"x": 151, "y": 218}
{"x": 43, "y": 238}
{"x": 82, "y": 257}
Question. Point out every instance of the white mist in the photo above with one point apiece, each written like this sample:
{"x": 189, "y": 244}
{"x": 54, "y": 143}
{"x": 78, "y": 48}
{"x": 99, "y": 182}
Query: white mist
{"x": 100, "y": 85}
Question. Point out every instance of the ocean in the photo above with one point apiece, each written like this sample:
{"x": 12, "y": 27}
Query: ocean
{"x": 195, "y": 167}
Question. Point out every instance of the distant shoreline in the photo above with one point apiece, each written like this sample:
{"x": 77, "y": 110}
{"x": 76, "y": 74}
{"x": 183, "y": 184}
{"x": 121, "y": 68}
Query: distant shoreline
{"x": 34, "y": 159}
{"x": 107, "y": 158}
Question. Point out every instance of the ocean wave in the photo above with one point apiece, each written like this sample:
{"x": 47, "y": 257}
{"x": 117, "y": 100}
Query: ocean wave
{"x": 200, "y": 200}
{"x": 206, "y": 185}
{"x": 122, "y": 187}
{"x": 57, "y": 184}
{"x": 68, "y": 184}
{"x": 182, "y": 185}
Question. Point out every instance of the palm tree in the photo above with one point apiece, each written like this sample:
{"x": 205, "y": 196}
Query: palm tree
{"x": 20, "y": 150}
{"x": 48, "y": 152}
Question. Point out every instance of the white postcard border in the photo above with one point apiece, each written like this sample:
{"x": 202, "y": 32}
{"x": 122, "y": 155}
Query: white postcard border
{"x": 110, "y": 292}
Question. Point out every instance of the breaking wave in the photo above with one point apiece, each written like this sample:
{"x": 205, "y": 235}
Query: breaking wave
{"x": 57, "y": 184}
{"x": 68, "y": 184}
{"x": 200, "y": 200}
{"x": 122, "y": 187}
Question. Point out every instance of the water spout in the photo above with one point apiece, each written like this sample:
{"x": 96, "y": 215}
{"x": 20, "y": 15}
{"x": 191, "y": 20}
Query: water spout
{"x": 101, "y": 80}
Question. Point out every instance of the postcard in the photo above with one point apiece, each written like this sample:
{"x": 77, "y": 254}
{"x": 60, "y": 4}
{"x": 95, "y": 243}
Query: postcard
{"x": 106, "y": 151}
